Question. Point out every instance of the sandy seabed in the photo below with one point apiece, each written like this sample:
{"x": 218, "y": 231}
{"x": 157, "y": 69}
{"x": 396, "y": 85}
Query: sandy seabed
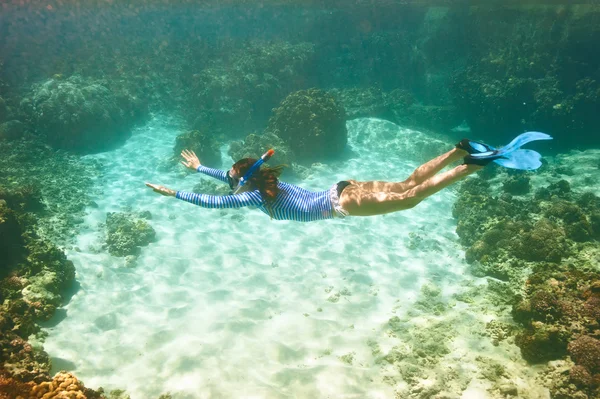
{"x": 227, "y": 303}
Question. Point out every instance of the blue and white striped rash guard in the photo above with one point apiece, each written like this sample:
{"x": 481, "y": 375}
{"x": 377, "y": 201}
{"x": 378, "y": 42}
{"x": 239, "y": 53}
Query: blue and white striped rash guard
{"x": 291, "y": 203}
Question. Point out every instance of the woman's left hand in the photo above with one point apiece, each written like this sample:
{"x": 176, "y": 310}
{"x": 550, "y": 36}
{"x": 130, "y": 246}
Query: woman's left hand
{"x": 162, "y": 190}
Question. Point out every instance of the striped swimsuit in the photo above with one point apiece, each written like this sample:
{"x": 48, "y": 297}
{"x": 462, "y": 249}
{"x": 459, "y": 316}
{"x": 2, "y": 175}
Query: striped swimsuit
{"x": 291, "y": 203}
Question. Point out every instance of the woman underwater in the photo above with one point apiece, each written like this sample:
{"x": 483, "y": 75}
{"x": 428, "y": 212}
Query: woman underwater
{"x": 260, "y": 187}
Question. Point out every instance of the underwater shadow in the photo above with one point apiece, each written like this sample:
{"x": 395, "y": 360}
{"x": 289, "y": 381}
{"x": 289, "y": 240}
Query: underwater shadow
{"x": 59, "y": 364}
{"x": 58, "y": 316}
{"x": 68, "y": 293}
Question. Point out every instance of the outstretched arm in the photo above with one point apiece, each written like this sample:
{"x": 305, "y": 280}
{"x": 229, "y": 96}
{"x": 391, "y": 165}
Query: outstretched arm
{"x": 249, "y": 198}
{"x": 192, "y": 162}
{"x": 216, "y": 173}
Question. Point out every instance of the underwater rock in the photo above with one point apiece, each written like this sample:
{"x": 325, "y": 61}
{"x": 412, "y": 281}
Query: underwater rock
{"x": 542, "y": 306}
{"x": 236, "y": 93}
{"x": 517, "y": 185}
{"x": 437, "y": 118}
{"x": 590, "y": 202}
{"x": 3, "y": 109}
{"x": 561, "y": 302}
{"x": 585, "y": 351}
{"x": 385, "y": 136}
{"x": 204, "y": 145}
{"x": 11, "y": 242}
{"x": 11, "y": 388}
{"x": 560, "y": 189}
{"x": 125, "y": 234}
{"x": 11, "y": 130}
{"x": 576, "y": 225}
{"x": 580, "y": 376}
{"x": 25, "y": 197}
{"x": 206, "y": 186}
{"x": 312, "y": 123}
{"x": 361, "y": 103}
{"x": 542, "y": 342}
{"x": 255, "y": 145}
{"x": 63, "y": 385}
{"x": 546, "y": 242}
{"x": 82, "y": 114}
{"x": 551, "y": 96}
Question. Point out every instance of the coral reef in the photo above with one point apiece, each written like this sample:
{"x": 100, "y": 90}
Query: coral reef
{"x": 11, "y": 130}
{"x": 236, "y": 92}
{"x": 542, "y": 245}
{"x": 33, "y": 170}
{"x": 254, "y": 145}
{"x": 34, "y": 276}
{"x": 540, "y": 72}
{"x": 63, "y": 385}
{"x": 126, "y": 233}
{"x": 519, "y": 184}
{"x": 203, "y": 144}
{"x": 399, "y": 106}
{"x": 82, "y": 114}
{"x": 312, "y": 123}
{"x": 11, "y": 388}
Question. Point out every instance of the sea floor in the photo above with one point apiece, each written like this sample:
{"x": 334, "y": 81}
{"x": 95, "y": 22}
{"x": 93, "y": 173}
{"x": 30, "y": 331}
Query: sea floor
{"x": 227, "y": 303}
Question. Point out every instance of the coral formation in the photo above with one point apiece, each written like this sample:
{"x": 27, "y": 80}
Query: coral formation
{"x": 254, "y": 145}
{"x": 82, "y": 114}
{"x": 236, "y": 92}
{"x": 519, "y": 184}
{"x": 11, "y": 388}
{"x": 33, "y": 279}
{"x": 32, "y": 170}
{"x": 527, "y": 242}
{"x": 63, "y": 385}
{"x": 312, "y": 123}
{"x": 11, "y": 130}
{"x": 125, "y": 233}
{"x": 204, "y": 145}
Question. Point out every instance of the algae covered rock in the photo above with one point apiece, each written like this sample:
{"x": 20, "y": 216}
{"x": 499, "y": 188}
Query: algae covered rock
{"x": 575, "y": 223}
{"x": 561, "y": 189}
{"x": 236, "y": 92}
{"x": 313, "y": 123}
{"x": 517, "y": 185}
{"x": 204, "y": 145}
{"x": 585, "y": 351}
{"x": 546, "y": 241}
{"x": 125, "y": 234}
{"x": 11, "y": 242}
{"x": 11, "y": 130}
{"x": 255, "y": 145}
{"x": 82, "y": 114}
{"x": 542, "y": 342}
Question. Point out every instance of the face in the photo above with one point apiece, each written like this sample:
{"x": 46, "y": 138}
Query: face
{"x": 233, "y": 179}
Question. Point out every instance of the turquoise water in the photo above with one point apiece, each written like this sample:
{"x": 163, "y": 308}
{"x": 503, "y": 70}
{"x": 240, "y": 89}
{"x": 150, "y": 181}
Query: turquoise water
{"x": 487, "y": 289}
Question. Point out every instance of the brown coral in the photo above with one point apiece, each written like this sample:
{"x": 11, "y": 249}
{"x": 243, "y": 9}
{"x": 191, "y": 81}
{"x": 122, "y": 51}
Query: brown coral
{"x": 585, "y": 351}
{"x": 11, "y": 388}
{"x": 63, "y": 386}
{"x": 580, "y": 376}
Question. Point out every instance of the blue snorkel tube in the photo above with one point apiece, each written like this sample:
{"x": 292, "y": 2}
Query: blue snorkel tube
{"x": 266, "y": 156}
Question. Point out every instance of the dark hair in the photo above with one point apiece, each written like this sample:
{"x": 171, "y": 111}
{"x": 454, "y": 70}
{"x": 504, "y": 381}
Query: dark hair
{"x": 265, "y": 179}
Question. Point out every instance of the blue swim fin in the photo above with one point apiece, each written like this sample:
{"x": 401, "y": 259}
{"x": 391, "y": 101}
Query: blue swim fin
{"x": 521, "y": 159}
{"x": 515, "y": 144}
{"x": 473, "y": 147}
{"x": 510, "y": 156}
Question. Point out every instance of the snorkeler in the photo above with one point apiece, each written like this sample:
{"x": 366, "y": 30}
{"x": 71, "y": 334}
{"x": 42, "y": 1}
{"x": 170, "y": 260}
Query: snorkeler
{"x": 252, "y": 185}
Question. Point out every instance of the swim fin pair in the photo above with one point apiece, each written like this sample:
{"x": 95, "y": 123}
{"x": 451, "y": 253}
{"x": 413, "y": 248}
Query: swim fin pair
{"x": 509, "y": 156}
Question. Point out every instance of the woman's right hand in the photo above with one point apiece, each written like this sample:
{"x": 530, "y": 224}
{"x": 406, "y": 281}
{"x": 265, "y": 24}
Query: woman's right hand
{"x": 191, "y": 160}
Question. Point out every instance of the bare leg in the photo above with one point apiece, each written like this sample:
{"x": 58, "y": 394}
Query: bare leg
{"x": 432, "y": 167}
{"x": 420, "y": 174}
{"x": 360, "y": 202}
